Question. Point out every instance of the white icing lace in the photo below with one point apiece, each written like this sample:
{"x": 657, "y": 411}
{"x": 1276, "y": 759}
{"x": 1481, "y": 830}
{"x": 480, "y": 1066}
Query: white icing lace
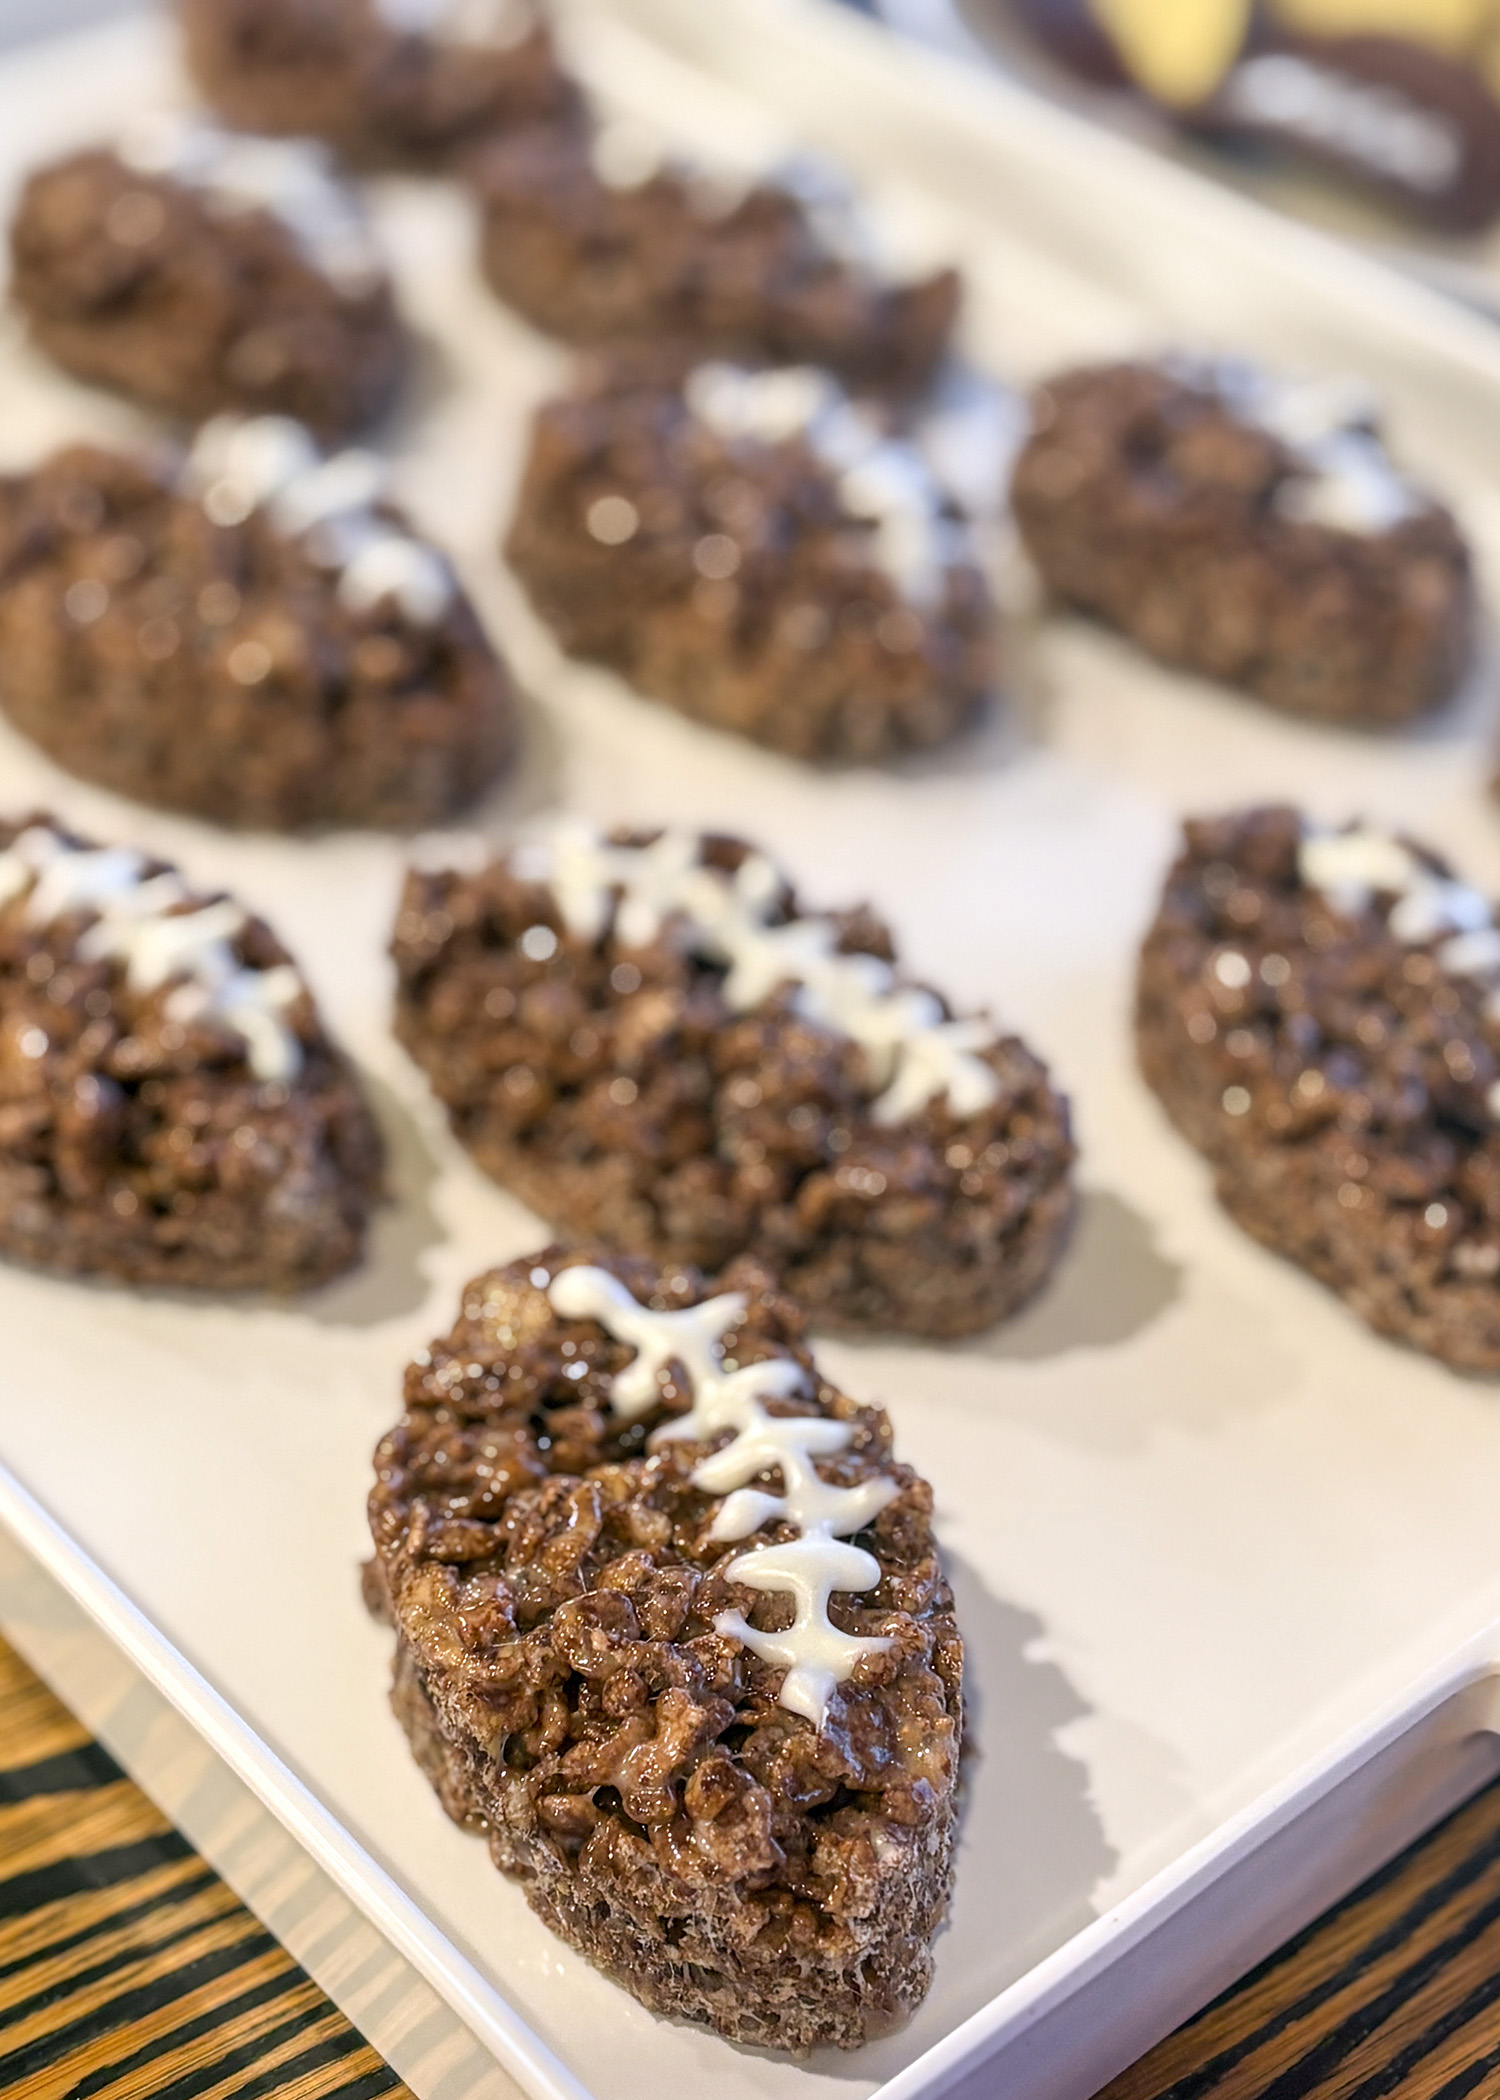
{"x": 915, "y": 1055}
{"x": 1349, "y": 480}
{"x": 239, "y": 465}
{"x": 814, "y": 1654}
{"x": 293, "y": 179}
{"x": 885, "y": 480}
{"x": 142, "y": 924}
{"x": 1352, "y": 867}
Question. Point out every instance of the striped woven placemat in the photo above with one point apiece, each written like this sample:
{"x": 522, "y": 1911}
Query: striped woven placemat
{"x": 128, "y": 1969}
{"x": 1395, "y": 1995}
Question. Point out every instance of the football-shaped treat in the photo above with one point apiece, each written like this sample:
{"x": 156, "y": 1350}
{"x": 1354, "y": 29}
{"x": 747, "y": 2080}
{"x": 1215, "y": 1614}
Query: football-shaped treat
{"x": 755, "y": 550}
{"x": 657, "y": 1047}
{"x": 603, "y": 241}
{"x": 171, "y": 1109}
{"x": 673, "y": 1633}
{"x": 389, "y": 83}
{"x": 1320, "y": 1013}
{"x": 198, "y": 271}
{"x": 1250, "y": 530}
{"x": 254, "y": 634}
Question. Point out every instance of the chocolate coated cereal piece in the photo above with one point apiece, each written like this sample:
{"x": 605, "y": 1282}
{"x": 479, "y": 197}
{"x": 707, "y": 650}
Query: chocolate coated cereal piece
{"x": 656, "y": 1047}
{"x": 198, "y": 272}
{"x": 261, "y": 641}
{"x": 171, "y": 1109}
{"x": 753, "y": 549}
{"x": 602, "y": 247}
{"x": 702, "y": 1695}
{"x": 1249, "y": 531}
{"x": 388, "y": 83}
{"x": 1318, "y": 1012}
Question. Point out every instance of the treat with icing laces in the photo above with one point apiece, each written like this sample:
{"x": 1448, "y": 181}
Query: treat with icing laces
{"x": 175, "y": 1113}
{"x": 615, "y": 237}
{"x": 200, "y": 270}
{"x": 1251, "y": 529}
{"x": 253, "y": 633}
{"x": 387, "y": 83}
{"x": 1319, "y": 1010}
{"x": 656, "y": 1046}
{"x": 757, "y": 550}
{"x": 673, "y": 1633}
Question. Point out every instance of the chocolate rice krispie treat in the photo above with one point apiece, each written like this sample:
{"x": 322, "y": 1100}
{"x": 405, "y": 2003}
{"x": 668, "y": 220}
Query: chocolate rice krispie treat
{"x": 655, "y": 1046}
{"x": 603, "y": 241}
{"x": 255, "y": 636}
{"x": 1250, "y": 530}
{"x": 755, "y": 550}
{"x": 673, "y": 1634}
{"x": 1320, "y": 1013}
{"x": 171, "y": 1108}
{"x": 197, "y": 271}
{"x": 388, "y": 83}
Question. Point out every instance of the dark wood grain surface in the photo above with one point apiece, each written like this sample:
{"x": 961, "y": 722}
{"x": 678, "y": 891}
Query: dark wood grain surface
{"x": 129, "y": 1971}
{"x": 1394, "y": 1993}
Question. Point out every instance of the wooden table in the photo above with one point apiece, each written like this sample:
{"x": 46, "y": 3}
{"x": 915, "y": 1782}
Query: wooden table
{"x": 129, "y": 1971}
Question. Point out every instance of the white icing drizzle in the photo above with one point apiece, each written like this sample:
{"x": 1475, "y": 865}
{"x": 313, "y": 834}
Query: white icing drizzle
{"x": 915, "y": 1055}
{"x": 493, "y": 25}
{"x": 1352, "y": 867}
{"x": 141, "y": 922}
{"x": 885, "y": 480}
{"x": 293, "y": 179}
{"x": 812, "y": 1651}
{"x": 1348, "y": 480}
{"x": 239, "y": 465}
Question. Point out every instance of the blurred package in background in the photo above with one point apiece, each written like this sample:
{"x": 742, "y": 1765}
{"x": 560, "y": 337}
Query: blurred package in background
{"x": 1398, "y": 96}
{"x": 1378, "y": 118}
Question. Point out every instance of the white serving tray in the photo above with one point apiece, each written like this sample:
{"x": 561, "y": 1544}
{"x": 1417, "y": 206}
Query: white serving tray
{"x": 1225, "y": 1561}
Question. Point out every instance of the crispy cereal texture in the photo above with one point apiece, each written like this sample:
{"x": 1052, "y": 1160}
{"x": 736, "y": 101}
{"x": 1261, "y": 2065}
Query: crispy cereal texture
{"x": 652, "y": 264}
{"x": 1144, "y": 501}
{"x": 554, "y": 1592}
{"x": 336, "y": 70}
{"x": 214, "y": 668}
{"x": 1336, "y": 1078}
{"x": 143, "y": 1150}
{"x": 615, "y": 1092}
{"x": 744, "y": 593}
{"x": 134, "y": 282}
